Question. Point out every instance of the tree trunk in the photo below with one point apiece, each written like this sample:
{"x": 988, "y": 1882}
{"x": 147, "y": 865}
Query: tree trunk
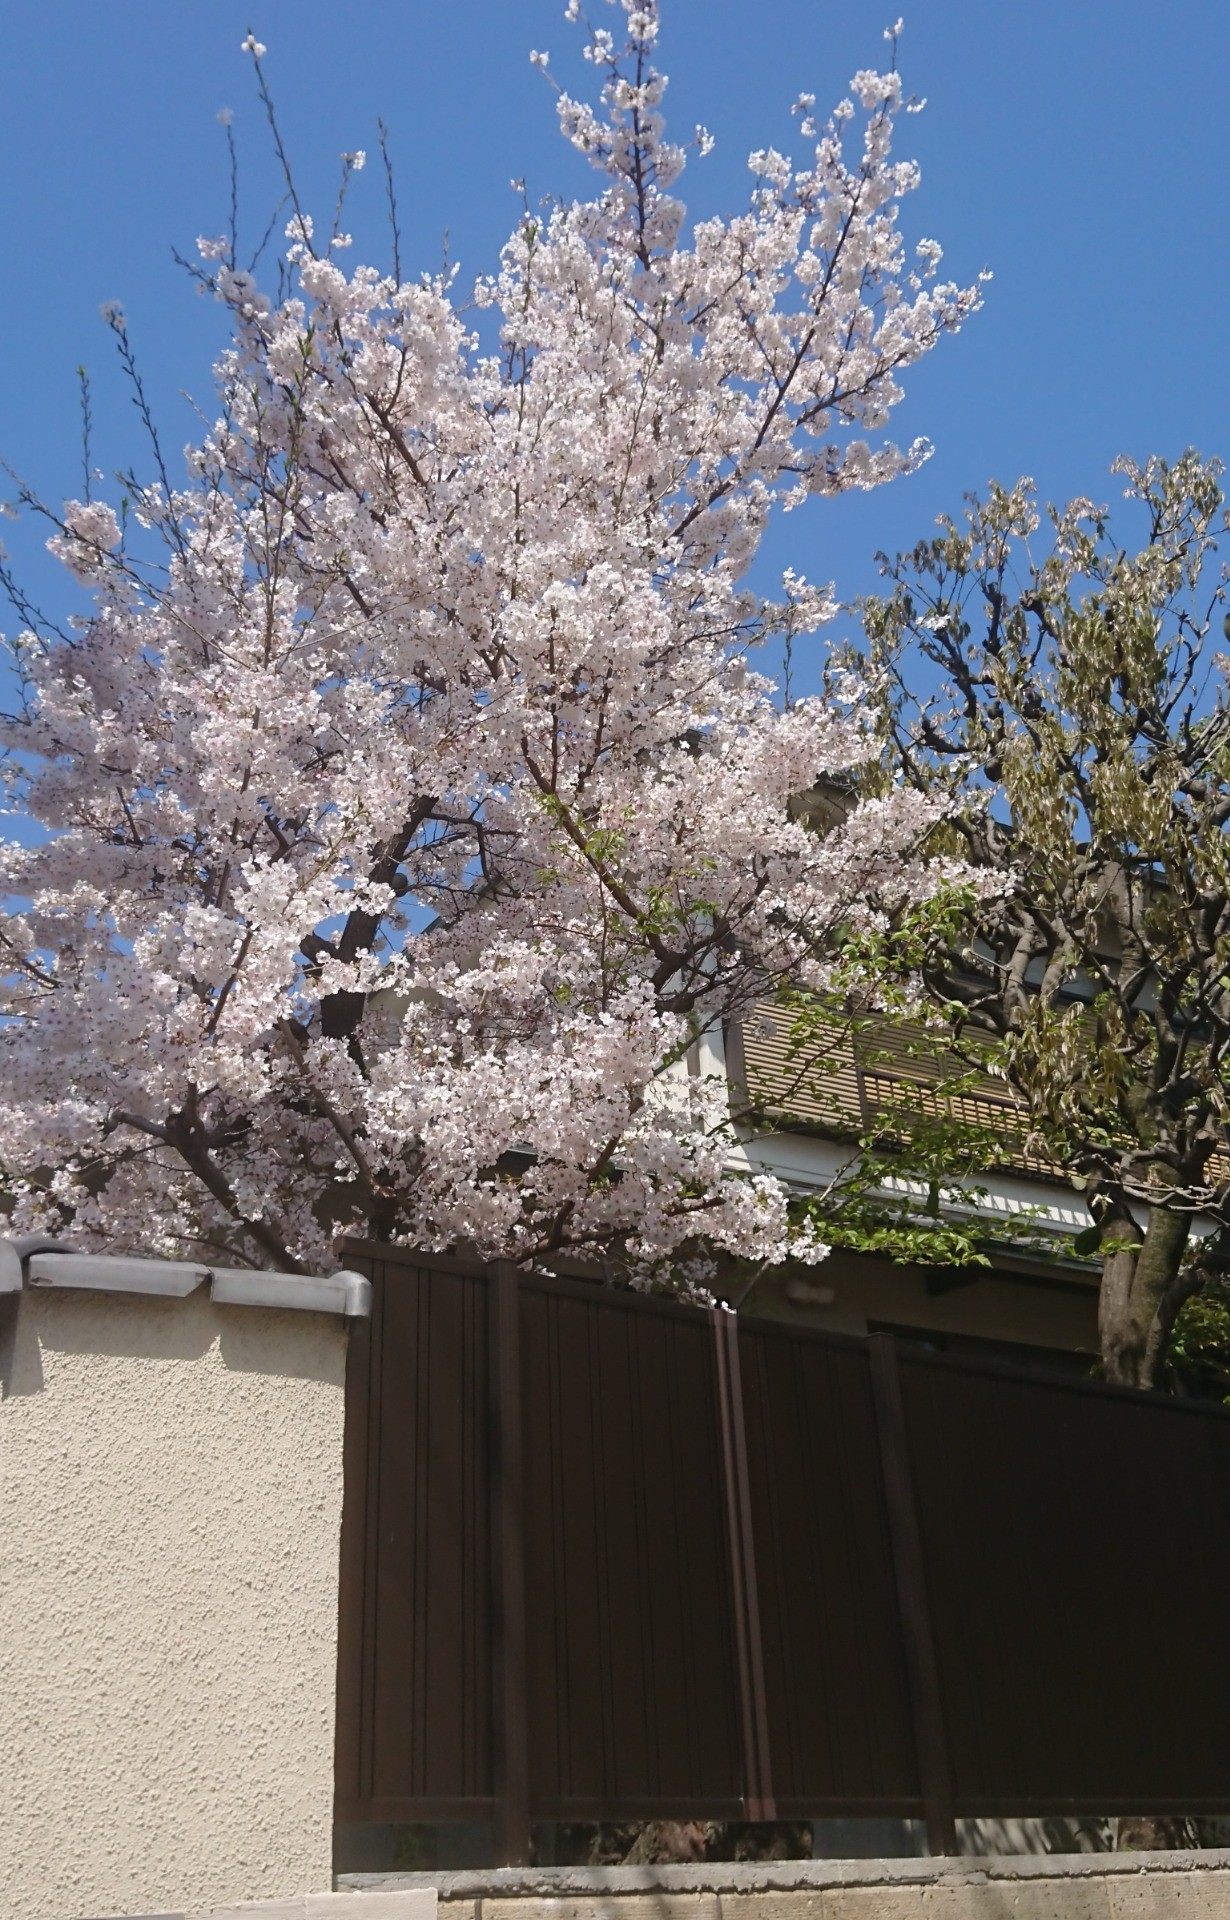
{"x": 1152, "y": 1833}
{"x": 1140, "y": 1294}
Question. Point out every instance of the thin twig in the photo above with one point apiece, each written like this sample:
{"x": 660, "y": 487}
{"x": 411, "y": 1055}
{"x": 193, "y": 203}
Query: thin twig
{"x": 87, "y": 422}
{"x": 391, "y": 195}
{"x": 266, "y": 99}
{"x": 114, "y": 317}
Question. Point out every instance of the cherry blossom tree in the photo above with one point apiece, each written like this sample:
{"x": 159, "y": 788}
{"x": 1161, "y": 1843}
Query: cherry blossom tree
{"x": 413, "y": 819}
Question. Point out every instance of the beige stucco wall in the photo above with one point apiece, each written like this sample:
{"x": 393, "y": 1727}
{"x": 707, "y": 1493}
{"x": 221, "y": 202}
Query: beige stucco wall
{"x": 170, "y": 1499}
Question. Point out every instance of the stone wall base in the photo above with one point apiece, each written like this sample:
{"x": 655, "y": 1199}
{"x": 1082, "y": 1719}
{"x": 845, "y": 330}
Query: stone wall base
{"x": 1163, "y": 1886}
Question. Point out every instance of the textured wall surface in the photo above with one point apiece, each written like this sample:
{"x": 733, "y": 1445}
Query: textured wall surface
{"x": 170, "y": 1499}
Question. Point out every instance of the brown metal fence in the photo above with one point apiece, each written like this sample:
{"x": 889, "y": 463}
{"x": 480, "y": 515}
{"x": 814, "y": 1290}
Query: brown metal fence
{"x": 607, "y": 1557}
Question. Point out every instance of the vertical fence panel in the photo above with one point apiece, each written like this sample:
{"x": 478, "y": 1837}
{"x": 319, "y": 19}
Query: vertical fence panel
{"x": 508, "y": 1605}
{"x": 425, "y": 1616}
{"x": 913, "y": 1599}
{"x": 758, "y": 1791}
{"x": 351, "y": 1788}
{"x": 1077, "y": 1545}
{"x": 632, "y": 1695}
{"x": 839, "y": 1723}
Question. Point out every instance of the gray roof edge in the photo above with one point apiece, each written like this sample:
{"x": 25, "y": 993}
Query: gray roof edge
{"x": 38, "y": 1261}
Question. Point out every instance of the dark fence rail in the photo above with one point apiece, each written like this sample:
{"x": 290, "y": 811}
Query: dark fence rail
{"x": 607, "y": 1557}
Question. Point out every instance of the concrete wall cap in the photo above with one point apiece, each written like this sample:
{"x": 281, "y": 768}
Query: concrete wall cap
{"x": 112, "y": 1273}
{"x": 40, "y": 1262}
{"x": 11, "y": 1276}
{"x": 345, "y": 1293}
{"x": 785, "y": 1876}
{"x": 14, "y": 1253}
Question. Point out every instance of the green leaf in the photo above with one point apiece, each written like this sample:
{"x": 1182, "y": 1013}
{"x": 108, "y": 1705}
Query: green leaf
{"x": 1087, "y": 1242}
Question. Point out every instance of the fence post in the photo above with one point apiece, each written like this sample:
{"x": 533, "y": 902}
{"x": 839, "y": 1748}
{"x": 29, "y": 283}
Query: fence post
{"x": 509, "y": 1704}
{"x": 753, "y": 1705}
{"x": 361, "y": 1451}
{"x": 926, "y": 1692}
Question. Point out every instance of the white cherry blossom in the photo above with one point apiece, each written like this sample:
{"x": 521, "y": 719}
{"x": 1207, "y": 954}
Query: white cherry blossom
{"x": 408, "y": 828}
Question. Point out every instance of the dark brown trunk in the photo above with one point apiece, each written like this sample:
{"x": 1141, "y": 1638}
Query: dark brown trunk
{"x": 1141, "y": 1287}
{"x": 1152, "y": 1833}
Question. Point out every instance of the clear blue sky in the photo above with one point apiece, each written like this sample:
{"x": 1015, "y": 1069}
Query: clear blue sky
{"x": 1078, "y": 149}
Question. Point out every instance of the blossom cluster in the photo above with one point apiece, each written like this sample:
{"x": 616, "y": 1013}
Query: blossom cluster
{"x": 408, "y": 829}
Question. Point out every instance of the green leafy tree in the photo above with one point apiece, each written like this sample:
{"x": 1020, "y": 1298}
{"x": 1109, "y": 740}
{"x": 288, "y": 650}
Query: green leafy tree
{"x": 921, "y": 1145}
{"x": 1072, "y": 710}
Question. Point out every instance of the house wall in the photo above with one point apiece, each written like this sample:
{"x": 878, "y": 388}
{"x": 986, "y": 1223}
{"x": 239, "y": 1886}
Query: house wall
{"x": 170, "y": 1502}
{"x": 851, "y": 1293}
{"x": 1034, "y": 1303}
